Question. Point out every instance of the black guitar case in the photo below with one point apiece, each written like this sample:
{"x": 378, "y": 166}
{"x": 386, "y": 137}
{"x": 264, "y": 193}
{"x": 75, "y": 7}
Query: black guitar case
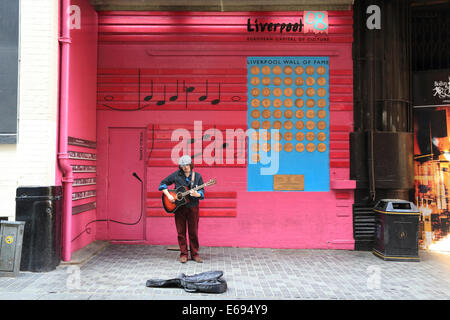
{"x": 208, "y": 282}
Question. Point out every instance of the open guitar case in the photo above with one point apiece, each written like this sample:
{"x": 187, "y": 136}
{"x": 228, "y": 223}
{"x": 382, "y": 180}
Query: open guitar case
{"x": 209, "y": 282}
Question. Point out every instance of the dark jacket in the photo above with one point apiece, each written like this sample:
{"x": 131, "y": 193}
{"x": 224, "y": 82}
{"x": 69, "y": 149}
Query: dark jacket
{"x": 179, "y": 179}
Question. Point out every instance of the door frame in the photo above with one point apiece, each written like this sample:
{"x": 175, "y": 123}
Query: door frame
{"x": 144, "y": 184}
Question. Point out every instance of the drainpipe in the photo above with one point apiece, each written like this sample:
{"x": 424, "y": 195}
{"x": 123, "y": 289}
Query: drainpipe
{"x": 63, "y": 156}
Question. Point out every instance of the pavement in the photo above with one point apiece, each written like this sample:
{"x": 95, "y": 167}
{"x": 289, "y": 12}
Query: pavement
{"x": 119, "y": 272}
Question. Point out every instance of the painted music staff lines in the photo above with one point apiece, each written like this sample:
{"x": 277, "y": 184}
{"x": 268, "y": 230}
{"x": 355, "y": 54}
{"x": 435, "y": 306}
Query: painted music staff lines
{"x": 172, "y": 94}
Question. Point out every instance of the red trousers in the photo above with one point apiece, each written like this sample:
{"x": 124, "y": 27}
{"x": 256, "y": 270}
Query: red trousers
{"x": 187, "y": 217}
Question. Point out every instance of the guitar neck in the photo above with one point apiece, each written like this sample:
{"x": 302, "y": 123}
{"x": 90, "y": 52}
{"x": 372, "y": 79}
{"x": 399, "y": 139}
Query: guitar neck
{"x": 198, "y": 187}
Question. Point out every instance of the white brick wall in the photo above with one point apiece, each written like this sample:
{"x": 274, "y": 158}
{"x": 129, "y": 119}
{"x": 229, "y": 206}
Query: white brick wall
{"x": 33, "y": 160}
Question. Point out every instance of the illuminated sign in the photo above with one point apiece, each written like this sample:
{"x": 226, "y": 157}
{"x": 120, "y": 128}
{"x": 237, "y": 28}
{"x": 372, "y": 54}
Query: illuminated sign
{"x": 313, "y": 22}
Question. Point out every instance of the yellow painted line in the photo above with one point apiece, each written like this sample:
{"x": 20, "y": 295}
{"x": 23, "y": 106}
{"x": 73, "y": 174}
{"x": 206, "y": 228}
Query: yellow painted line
{"x": 410, "y": 213}
{"x": 392, "y": 257}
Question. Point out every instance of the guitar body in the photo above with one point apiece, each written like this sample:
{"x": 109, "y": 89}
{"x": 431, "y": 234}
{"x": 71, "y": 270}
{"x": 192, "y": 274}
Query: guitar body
{"x": 171, "y": 207}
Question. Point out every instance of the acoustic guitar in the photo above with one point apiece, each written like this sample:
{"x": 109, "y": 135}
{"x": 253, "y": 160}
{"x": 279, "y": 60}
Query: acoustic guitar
{"x": 180, "y": 196}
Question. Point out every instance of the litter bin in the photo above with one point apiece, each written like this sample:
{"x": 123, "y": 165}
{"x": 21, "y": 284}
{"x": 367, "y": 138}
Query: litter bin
{"x": 397, "y": 228}
{"x": 41, "y": 209}
{"x": 11, "y": 237}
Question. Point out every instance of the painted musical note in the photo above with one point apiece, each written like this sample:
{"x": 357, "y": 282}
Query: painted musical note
{"x": 202, "y": 98}
{"x": 187, "y": 90}
{"x": 149, "y": 97}
{"x": 216, "y": 101}
{"x": 161, "y": 102}
{"x": 175, "y": 97}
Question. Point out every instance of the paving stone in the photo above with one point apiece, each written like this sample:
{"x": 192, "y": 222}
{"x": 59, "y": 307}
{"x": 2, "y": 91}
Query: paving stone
{"x": 120, "y": 272}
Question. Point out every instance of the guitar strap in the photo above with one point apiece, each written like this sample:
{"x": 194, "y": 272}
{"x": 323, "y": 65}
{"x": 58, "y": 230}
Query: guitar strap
{"x": 192, "y": 179}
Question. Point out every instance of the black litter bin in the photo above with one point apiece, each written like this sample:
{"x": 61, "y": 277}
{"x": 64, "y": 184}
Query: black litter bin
{"x": 397, "y": 229}
{"x": 41, "y": 209}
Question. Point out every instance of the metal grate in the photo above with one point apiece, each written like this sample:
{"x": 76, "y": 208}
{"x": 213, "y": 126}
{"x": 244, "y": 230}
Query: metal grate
{"x": 363, "y": 227}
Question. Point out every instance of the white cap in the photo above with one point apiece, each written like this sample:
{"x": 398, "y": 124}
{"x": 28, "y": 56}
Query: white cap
{"x": 185, "y": 160}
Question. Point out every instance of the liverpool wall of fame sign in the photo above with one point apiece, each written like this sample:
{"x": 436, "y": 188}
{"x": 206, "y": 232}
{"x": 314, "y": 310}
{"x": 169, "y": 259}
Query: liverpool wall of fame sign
{"x": 288, "y": 121}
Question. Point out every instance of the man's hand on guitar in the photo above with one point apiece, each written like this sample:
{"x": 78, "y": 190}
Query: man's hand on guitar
{"x": 193, "y": 193}
{"x": 168, "y": 195}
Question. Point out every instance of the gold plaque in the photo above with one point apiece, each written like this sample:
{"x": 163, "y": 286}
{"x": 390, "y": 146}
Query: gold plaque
{"x": 300, "y": 136}
{"x": 265, "y": 81}
{"x": 254, "y": 81}
{"x": 288, "y": 114}
{"x": 255, "y": 103}
{"x": 266, "y": 124}
{"x": 255, "y": 124}
{"x": 321, "y": 114}
{"x": 310, "y": 81}
{"x": 288, "y": 124}
{"x": 277, "y": 147}
{"x": 299, "y": 114}
{"x": 310, "y": 125}
{"x": 288, "y": 136}
{"x": 265, "y": 147}
{"x": 310, "y": 114}
{"x": 321, "y": 70}
{"x": 309, "y": 92}
{"x": 299, "y": 147}
{"x": 288, "y": 147}
{"x": 288, "y": 70}
{"x": 278, "y": 113}
{"x": 321, "y": 92}
{"x": 321, "y": 103}
{"x": 266, "y": 103}
{"x": 276, "y": 70}
{"x": 299, "y": 102}
{"x": 256, "y": 157}
{"x": 321, "y": 136}
{"x": 266, "y": 92}
{"x": 277, "y": 124}
{"x": 277, "y": 81}
{"x": 299, "y": 125}
{"x": 321, "y": 81}
{"x": 288, "y": 81}
{"x": 288, "y": 103}
{"x": 277, "y": 92}
{"x": 321, "y": 125}
{"x": 254, "y": 70}
{"x": 299, "y": 70}
{"x": 288, "y": 182}
{"x": 265, "y": 70}
{"x": 255, "y": 113}
{"x": 265, "y": 113}
{"x": 310, "y": 70}
{"x": 288, "y": 92}
{"x": 265, "y": 135}
{"x": 321, "y": 147}
{"x": 299, "y": 81}
{"x": 310, "y": 103}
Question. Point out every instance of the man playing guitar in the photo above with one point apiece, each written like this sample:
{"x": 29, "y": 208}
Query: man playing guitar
{"x": 186, "y": 215}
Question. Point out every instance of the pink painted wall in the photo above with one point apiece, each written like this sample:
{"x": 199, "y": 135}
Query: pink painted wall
{"x": 82, "y": 114}
{"x": 263, "y": 219}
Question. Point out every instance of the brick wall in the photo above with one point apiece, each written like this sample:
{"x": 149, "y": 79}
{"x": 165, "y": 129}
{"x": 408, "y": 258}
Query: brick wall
{"x": 33, "y": 160}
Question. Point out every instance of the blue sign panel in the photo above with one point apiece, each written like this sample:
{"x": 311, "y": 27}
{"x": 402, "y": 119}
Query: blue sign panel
{"x": 288, "y": 121}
